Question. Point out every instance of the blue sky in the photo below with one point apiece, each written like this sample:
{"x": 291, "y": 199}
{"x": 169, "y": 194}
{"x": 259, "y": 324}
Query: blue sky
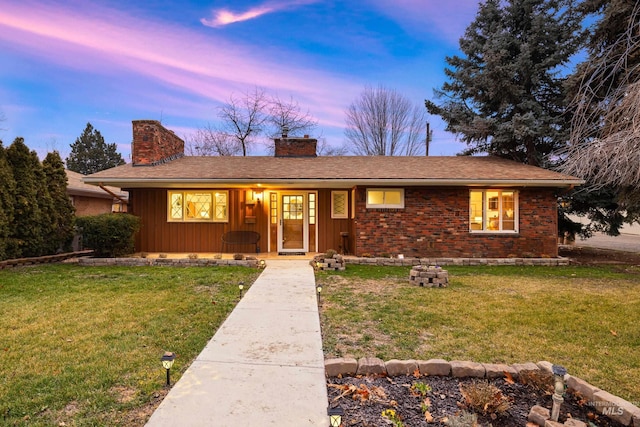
{"x": 109, "y": 62}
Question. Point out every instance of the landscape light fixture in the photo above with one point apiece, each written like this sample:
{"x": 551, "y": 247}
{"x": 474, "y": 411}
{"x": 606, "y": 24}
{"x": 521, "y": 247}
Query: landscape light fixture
{"x": 262, "y": 263}
{"x": 167, "y": 362}
{"x": 558, "y": 375}
{"x": 319, "y": 289}
{"x": 241, "y": 287}
{"x": 335, "y": 416}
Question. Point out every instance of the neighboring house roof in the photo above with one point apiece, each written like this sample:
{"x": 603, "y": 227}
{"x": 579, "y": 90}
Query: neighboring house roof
{"x": 76, "y": 187}
{"x": 332, "y": 171}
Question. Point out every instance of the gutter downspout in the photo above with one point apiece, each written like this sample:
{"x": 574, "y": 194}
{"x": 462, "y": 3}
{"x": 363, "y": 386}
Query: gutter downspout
{"x": 114, "y": 195}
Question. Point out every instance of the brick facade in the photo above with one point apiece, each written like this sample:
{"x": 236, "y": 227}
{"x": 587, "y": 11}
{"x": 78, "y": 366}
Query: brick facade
{"x": 153, "y": 144}
{"x": 86, "y": 206}
{"x": 295, "y": 147}
{"x": 435, "y": 223}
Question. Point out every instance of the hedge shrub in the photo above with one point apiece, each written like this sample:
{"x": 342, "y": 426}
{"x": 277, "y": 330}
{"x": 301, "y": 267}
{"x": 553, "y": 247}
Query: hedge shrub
{"x": 109, "y": 235}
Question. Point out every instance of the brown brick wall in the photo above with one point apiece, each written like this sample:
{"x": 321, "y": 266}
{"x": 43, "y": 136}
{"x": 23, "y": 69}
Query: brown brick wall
{"x": 435, "y": 223}
{"x": 295, "y": 147}
{"x": 86, "y": 206}
{"x": 154, "y": 144}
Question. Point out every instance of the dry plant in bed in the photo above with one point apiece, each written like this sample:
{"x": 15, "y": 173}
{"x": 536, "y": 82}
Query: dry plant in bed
{"x": 372, "y": 401}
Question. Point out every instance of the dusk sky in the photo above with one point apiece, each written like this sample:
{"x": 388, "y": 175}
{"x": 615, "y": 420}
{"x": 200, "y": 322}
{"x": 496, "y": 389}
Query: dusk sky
{"x": 108, "y": 62}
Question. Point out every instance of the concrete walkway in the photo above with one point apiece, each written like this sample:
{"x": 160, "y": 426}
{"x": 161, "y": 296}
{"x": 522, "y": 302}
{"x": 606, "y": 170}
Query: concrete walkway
{"x": 264, "y": 366}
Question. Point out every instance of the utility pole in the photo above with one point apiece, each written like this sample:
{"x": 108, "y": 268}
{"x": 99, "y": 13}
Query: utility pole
{"x": 428, "y": 139}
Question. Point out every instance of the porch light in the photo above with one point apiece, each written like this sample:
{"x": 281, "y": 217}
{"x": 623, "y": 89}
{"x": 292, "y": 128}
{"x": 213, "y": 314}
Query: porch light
{"x": 167, "y": 362}
{"x": 558, "y": 375}
{"x": 254, "y": 195}
{"x": 335, "y": 416}
{"x": 241, "y": 287}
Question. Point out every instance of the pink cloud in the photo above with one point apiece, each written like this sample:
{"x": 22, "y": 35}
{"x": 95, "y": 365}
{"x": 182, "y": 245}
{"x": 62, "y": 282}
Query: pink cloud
{"x": 108, "y": 42}
{"x": 222, "y": 17}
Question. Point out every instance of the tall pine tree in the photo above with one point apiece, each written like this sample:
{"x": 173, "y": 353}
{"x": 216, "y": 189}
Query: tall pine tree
{"x": 7, "y": 195}
{"x": 90, "y": 154}
{"x": 63, "y": 215}
{"x": 25, "y": 232}
{"x": 505, "y": 96}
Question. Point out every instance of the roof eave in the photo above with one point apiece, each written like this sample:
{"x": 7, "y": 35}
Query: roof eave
{"x": 328, "y": 183}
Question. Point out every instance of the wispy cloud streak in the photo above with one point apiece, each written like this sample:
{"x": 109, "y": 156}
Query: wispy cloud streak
{"x": 222, "y": 17}
{"x": 106, "y": 41}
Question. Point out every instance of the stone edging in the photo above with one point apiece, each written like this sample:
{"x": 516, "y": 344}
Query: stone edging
{"x": 551, "y": 262}
{"x": 17, "y": 262}
{"x": 615, "y": 407}
{"x": 169, "y": 262}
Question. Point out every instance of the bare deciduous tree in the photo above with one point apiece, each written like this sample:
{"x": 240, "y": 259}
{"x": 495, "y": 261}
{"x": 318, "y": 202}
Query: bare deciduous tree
{"x": 324, "y": 149}
{"x": 605, "y": 137}
{"x": 243, "y": 117}
{"x": 209, "y": 141}
{"x": 383, "y": 122}
{"x": 288, "y": 114}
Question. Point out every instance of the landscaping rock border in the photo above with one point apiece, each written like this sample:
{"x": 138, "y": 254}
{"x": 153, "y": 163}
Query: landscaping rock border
{"x": 552, "y": 262}
{"x": 17, "y": 262}
{"x": 604, "y": 403}
{"x": 169, "y": 262}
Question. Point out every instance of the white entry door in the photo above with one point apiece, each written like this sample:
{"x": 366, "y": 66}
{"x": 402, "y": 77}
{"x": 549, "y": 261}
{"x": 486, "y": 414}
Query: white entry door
{"x": 293, "y": 224}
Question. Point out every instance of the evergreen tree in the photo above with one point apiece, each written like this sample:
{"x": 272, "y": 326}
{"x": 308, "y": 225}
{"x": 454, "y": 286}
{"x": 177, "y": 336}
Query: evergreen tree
{"x": 90, "y": 154}
{"x": 7, "y": 195}
{"x": 605, "y": 124}
{"x": 47, "y": 225}
{"x": 63, "y": 215}
{"x": 505, "y": 96}
{"x": 25, "y": 235}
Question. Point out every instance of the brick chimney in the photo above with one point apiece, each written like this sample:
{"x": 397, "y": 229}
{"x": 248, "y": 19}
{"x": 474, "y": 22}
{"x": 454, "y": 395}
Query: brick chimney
{"x": 295, "y": 147}
{"x": 153, "y": 144}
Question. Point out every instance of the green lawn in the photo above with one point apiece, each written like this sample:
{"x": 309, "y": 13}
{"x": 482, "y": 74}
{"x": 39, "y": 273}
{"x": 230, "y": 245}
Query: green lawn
{"x": 584, "y": 318}
{"x": 81, "y": 346}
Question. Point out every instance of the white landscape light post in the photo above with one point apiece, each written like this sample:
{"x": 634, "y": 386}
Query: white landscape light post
{"x": 558, "y": 374}
{"x": 335, "y": 416}
{"x": 167, "y": 362}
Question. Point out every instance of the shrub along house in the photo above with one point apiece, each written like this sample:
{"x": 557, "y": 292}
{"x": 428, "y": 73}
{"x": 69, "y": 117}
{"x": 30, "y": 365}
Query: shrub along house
{"x": 299, "y": 202}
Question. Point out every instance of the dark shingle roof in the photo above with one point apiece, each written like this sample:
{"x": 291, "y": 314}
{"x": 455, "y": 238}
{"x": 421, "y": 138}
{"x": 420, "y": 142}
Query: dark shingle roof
{"x": 338, "y": 171}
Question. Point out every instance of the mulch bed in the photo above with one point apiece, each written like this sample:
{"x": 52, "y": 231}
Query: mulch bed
{"x": 375, "y": 394}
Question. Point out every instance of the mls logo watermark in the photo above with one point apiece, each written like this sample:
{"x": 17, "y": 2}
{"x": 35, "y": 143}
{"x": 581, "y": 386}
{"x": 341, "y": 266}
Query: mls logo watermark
{"x": 612, "y": 410}
{"x": 607, "y": 408}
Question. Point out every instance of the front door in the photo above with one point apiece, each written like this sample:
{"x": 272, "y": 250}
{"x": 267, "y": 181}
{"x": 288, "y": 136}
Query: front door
{"x": 293, "y": 224}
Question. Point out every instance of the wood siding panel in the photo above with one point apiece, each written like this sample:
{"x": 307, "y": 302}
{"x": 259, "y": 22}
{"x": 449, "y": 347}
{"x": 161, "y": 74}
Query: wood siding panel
{"x": 159, "y": 235}
{"x": 329, "y": 229}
